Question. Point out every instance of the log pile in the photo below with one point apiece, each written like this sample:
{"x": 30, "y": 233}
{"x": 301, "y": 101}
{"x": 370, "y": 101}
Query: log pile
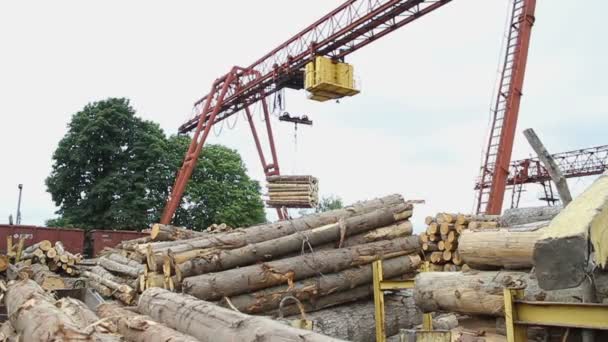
{"x": 441, "y": 238}
{"x": 55, "y": 257}
{"x": 35, "y": 315}
{"x": 292, "y": 191}
{"x": 321, "y": 260}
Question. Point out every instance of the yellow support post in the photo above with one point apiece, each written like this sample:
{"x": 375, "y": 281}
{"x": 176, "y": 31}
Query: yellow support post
{"x": 515, "y": 332}
{"x": 378, "y": 301}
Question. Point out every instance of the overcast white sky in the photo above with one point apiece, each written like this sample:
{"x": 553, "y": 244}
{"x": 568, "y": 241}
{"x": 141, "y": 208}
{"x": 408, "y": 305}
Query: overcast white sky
{"x": 417, "y": 127}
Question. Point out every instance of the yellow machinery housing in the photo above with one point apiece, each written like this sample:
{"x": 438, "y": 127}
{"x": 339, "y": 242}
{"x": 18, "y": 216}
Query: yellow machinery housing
{"x": 328, "y": 80}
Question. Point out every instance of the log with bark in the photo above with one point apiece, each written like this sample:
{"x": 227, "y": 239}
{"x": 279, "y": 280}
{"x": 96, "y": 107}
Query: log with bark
{"x": 139, "y": 328}
{"x": 364, "y": 292}
{"x": 45, "y": 278}
{"x": 264, "y": 232}
{"x": 312, "y": 288}
{"x": 356, "y": 322}
{"x": 8, "y": 333}
{"x": 87, "y": 320}
{"x": 562, "y": 252}
{"x": 510, "y": 248}
{"x": 250, "y": 278}
{"x": 120, "y": 268}
{"x": 481, "y": 292}
{"x": 123, "y": 292}
{"x": 124, "y": 260}
{"x": 518, "y": 216}
{"x": 164, "y": 232}
{"x": 466, "y": 219}
{"x": 397, "y": 230}
{"x": 27, "y": 302}
{"x": 267, "y": 250}
{"x": 209, "y": 322}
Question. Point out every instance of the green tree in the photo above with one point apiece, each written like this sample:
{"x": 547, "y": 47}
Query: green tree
{"x": 220, "y": 191}
{"x": 114, "y": 170}
{"x": 329, "y": 203}
{"x": 102, "y": 167}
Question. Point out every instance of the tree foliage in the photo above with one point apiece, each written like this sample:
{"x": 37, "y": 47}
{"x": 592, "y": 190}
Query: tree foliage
{"x": 329, "y": 203}
{"x": 113, "y": 170}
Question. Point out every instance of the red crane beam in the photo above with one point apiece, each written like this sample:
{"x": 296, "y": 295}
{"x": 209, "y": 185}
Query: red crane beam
{"x": 344, "y": 30}
{"x": 590, "y": 161}
{"x": 349, "y": 27}
{"x": 578, "y": 163}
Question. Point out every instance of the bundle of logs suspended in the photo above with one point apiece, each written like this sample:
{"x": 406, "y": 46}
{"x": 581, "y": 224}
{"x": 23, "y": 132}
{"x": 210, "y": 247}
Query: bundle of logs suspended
{"x": 292, "y": 191}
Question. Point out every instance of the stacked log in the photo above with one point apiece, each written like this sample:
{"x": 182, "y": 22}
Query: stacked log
{"x": 66, "y": 320}
{"x": 55, "y": 257}
{"x": 508, "y": 247}
{"x": 292, "y": 191}
{"x": 208, "y": 322}
{"x": 481, "y": 292}
{"x": 322, "y": 260}
{"x": 356, "y": 322}
{"x": 35, "y": 315}
{"x": 441, "y": 239}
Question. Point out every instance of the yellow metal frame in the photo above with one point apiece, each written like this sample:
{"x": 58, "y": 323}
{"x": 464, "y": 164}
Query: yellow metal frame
{"x": 381, "y": 285}
{"x": 520, "y": 313}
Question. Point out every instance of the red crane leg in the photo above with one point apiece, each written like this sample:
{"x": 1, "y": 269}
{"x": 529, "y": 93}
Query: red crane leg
{"x": 272, "y": 169}
{"x": 194, "y": 150}
{"x": 503, "y": 158}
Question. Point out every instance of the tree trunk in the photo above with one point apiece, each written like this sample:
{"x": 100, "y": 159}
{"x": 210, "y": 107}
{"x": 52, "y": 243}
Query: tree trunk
{"x": 364, "y": 292}
{"x": 130, "y": 245}
{"x": 443, "y": 322}
{"x": 510, "y": 248}
{"x": 480, "y": 293}
{"x": 45, "y": 278}
{"x": 211, "y": 323}
{"x": 519, "y": 216}
{"x": 264, "y": 232}
{"x": 356, "y": 322}
{"x": 250, "y": 278}
{"x": 138, "y": 328}
{"x": 124, "y": 260}
{"x": 561, "y": 254}
{"x": 397, "y": 230}
{"x": 33, "y": 314}
{"x": 102, "y": 272}
{"x": 87, "y": 320}
{"x": 164, "y": 232}
{"x": 103, "y": 290}
{"x": 117, "y": 267}
{"x": 121, "y": 291}
{"x": 267, "y": 250}
{"x": 312, "y": 288}
{"x": 556, "y": 174}
{"x": 466, "y": 219}
{"x": 8, "y": 333}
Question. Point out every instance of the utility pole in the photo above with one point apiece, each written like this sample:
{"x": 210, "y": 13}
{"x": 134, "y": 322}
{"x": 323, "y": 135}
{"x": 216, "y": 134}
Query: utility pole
{"x": 18, "y": 221}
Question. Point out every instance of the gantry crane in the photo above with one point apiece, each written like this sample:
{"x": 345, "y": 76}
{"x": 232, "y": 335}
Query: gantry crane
{"x": 585, "y": 162}
{"x": 312, "y": 59}
{"x": 505, "y": 111}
